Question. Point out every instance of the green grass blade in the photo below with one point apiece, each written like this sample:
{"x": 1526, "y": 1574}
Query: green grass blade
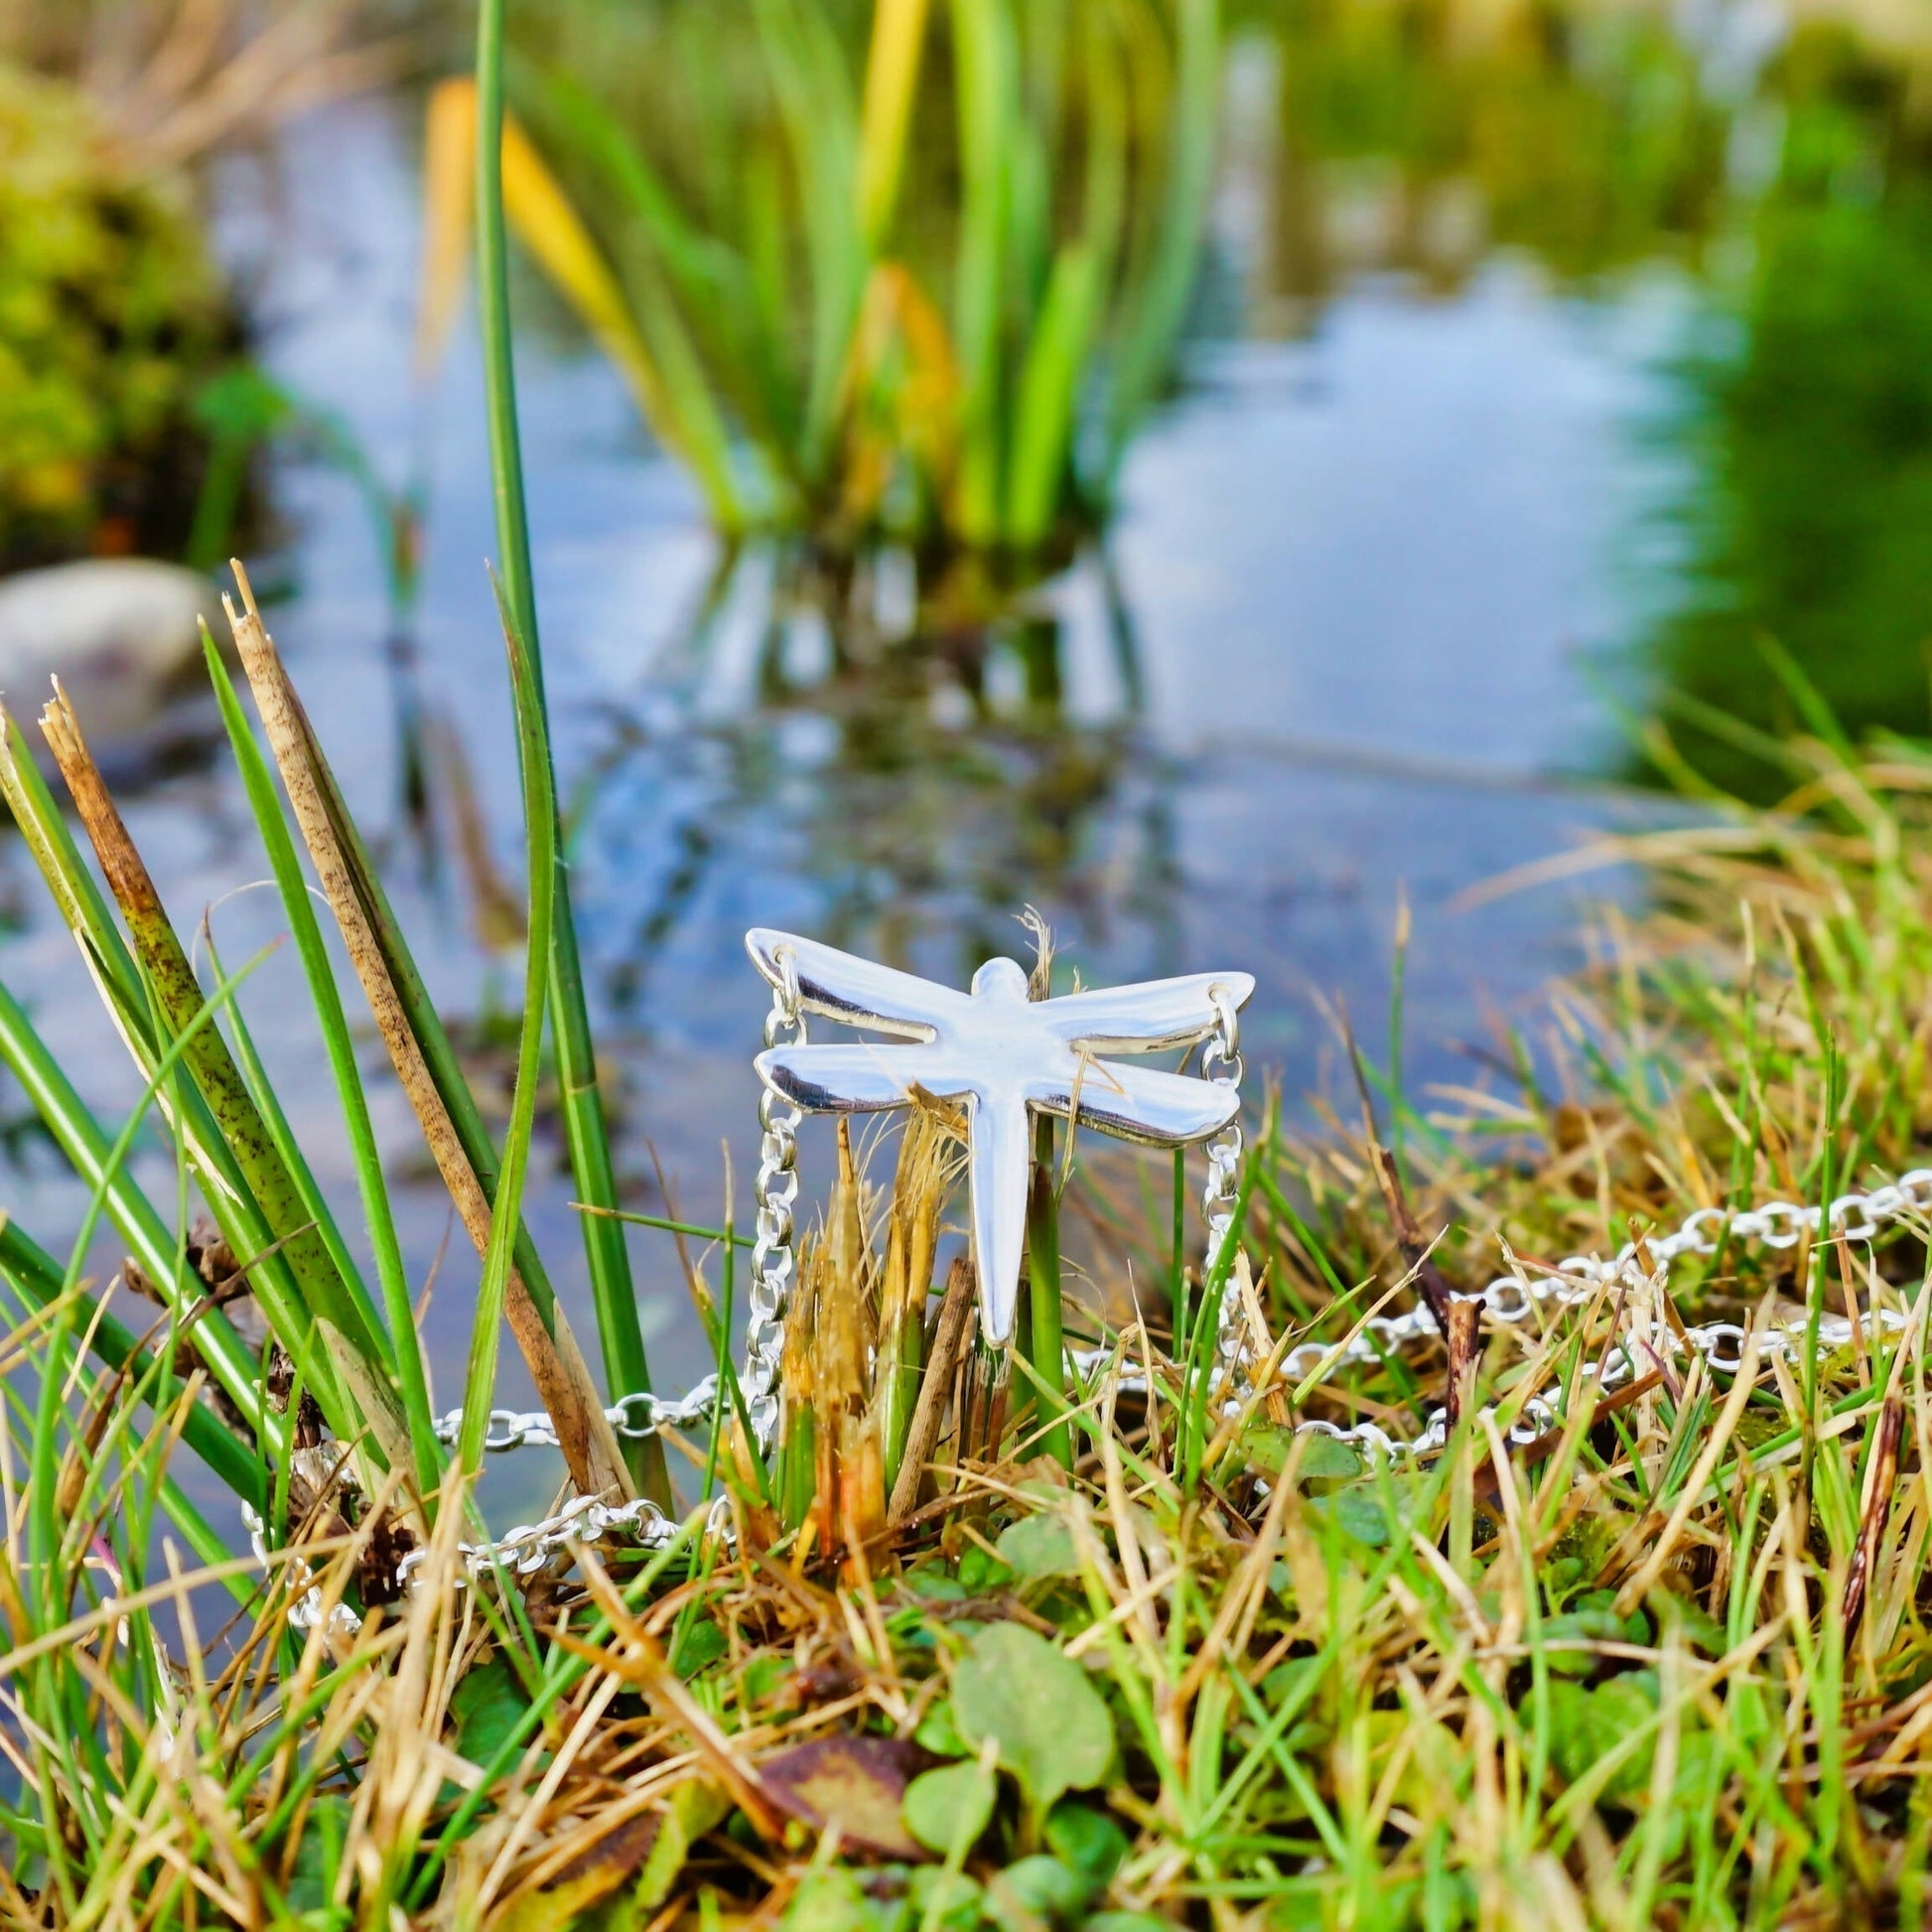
{"x": 85, "y": 1145}
{"x": 332, "y": 1020}
{"x": 37, "y": 1278}
{"x": 984, "y": 61}
{"x": 1050, "y": 396}
{"x": 808, "y": 72}
{"x": 422, "y": 1054}
{"x": 540, "y": 834}
{"x": 1044, "y": 1273}
{"x": 1157, "y": 308}
{"x": 626, "y": 1368}
{"x": 282, "y": 1136}
{"x": 699, "y": 309}
{"x": 325, "y": 1297}
{"x": 45, "y": 1487}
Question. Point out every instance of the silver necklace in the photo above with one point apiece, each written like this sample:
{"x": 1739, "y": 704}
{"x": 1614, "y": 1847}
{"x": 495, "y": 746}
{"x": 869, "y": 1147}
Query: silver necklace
{"x": 1006, "y": 1057}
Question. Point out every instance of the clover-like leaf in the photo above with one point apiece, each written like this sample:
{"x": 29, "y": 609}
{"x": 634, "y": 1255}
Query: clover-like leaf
{"x": 1087, "y": 1840}
{"x": 950, "y": 1806}
{"x": 1038, "y": 1891}
{"x": 1050, "y": 1728}
{"x": 486, "y": 1707}
{"x": 1039, "y": 1546}
{"x": 938, "y": 1732}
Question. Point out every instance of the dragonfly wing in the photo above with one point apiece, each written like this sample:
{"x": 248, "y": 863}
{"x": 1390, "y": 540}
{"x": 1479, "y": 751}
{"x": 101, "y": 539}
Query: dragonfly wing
{"x": 859, "y": 1077}
{"x": 1002, "y": 1160}
{"x": 841, "y": 986}
{"x": 1145, "y": 1017}
{"x": 1143, "y": 1104}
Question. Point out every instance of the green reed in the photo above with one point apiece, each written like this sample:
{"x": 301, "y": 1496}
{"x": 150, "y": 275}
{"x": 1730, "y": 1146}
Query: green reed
{"x": 614, "y": 1291}
{"x": 842, "y": 331}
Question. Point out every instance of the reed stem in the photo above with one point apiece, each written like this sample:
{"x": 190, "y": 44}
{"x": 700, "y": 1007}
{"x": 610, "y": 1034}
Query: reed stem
{"x": 1048, "y": 1350}
{"x": 620, "y": 1333}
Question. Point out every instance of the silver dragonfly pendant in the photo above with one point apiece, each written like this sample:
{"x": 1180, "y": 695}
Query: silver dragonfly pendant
{"x": 1006, "y": 1057}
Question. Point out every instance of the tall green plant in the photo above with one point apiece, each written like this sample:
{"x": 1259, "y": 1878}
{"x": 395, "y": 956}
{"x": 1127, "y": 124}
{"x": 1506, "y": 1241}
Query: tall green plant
{"x": 627, "y": 1369}
{"x": 860, "y": 338}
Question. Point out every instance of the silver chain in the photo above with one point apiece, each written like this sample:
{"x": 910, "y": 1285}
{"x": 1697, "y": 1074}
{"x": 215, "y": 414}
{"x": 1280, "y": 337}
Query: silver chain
{"x": 772, "y": 1259}
{"x": 1221, "y": 1065}
{"x": 637, "y": 1417}
{"x": 1510, "y": 1298}
{"x": 1310, "y": 1365}
{"x": 530, "y": 1546}
{"x": 1649, "y": 1337}
{"x": 521, "y": 1552}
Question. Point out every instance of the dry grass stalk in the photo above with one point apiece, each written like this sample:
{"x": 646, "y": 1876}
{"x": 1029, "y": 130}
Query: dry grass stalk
{"x": 1882, "y": 1476}
{"x": 172, "y": 977}
{"x": 849, "y": 1468}
{"x": 920, "y": 1184}
{"x": 958, "y": 1311}
{"x": 562, "y": 1378}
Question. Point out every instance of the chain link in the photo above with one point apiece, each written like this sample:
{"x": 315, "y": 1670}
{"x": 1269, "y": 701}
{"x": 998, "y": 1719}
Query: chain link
{"x": 772, "y": 1259}
{"x": 636, "y": 1415}
{"x": 1222, "y": 1066}
{"x": 1648, "y": 1339}
{"x": 521, "y": 1552}
{"x": 528, "y": 1547}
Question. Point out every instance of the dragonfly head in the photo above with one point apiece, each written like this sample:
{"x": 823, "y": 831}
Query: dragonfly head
{"x": 1003, "y": 980}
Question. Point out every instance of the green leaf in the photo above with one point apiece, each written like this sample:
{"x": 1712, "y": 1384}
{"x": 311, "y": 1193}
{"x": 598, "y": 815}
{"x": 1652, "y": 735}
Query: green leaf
{"x": 1050, "y": 1726}
{"x": 1592, "y": 1627}
{"x": 1036, "y": 1889}
{"x": 1265, "y": 1448}
{"x": 486, "y": 1705}
{"x": 1049, "y": 395}
{"x": 1039, "y": 1546}
{"x": 938, "y": 1732}
{"x": 943, "y": 1901}
{"x": 1087, "y": 1840}
{"x": 763, "y": 1677}
{"x": 701, "y": 1644}
{"x": 317, "y": 1855}
{"x": 980, "y": 1572}
{"x": 1588, "y": 1725}
{"x": 949, "y": 1807}
{"x": 828, "y": 1901}
{"x": 1358, "y": 1513}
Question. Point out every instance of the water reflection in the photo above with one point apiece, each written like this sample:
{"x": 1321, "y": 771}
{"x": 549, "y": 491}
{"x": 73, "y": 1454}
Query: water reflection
{"x": 1421, "y": 137}
{"x": 1542, "y": 196}
{"x": 915, "y": 763}
{"x": 1328, "y": 657}
{"x": 1765, "y": 164}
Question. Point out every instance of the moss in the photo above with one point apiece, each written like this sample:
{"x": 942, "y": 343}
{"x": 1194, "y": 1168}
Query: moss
{"x": 112, "y": 318}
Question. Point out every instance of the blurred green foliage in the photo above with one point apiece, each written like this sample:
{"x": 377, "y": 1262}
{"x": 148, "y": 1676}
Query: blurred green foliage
{"x": 1580, "y": 133}
{"x": 1809, "y": 416}
{"x": 112, "y": 318}
{"x": 901, "y": 272}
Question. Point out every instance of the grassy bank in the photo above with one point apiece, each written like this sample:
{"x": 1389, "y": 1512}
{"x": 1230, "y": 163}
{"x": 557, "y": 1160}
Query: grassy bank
{"x": 991, "y": 1637}
{"x": 1663, "y": 1662}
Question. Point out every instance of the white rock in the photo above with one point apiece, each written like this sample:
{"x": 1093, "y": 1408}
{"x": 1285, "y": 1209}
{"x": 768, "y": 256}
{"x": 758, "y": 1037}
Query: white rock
{"x": 121, "y": 634}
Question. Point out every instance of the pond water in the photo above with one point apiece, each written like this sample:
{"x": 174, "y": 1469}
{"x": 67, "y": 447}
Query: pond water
{"x": 1425, "y": 515}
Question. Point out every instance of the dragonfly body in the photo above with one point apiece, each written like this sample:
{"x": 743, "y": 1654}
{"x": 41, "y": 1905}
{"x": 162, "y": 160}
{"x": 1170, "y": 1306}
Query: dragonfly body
{"x": 1006, "y": 1059}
